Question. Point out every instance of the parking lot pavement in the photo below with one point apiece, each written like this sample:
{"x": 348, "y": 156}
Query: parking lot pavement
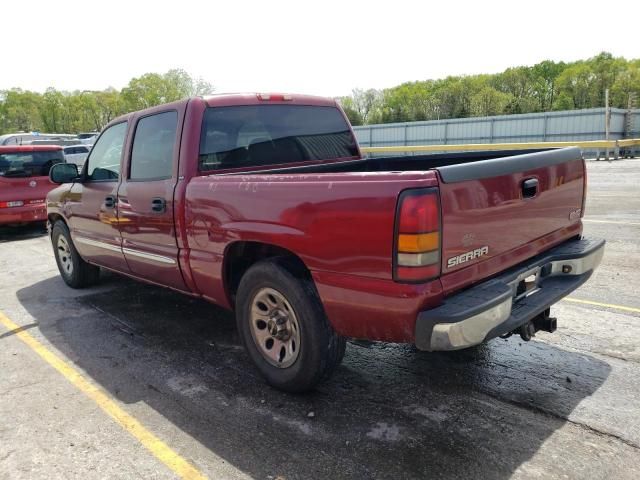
{"x": 562, "y": 405}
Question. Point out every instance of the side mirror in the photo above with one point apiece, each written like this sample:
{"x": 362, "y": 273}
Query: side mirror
{"x": 64, "y": 173}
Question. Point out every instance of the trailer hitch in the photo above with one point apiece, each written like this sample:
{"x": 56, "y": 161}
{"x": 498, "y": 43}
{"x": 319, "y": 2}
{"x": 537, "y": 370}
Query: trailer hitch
{"x": 543, "y": 322}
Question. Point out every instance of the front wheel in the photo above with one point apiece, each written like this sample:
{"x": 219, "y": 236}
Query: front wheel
{"x": 73, "y": 269}
{"x": 284, "y": 328}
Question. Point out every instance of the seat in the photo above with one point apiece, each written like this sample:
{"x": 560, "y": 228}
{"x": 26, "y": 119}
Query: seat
{"x": 262, "y": 151}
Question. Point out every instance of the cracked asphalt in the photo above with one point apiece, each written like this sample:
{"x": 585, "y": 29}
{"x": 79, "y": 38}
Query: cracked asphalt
{"x": 564, "y": 405}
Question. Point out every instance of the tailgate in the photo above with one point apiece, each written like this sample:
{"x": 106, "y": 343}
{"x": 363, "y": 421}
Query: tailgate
{"x": 29, "y": 190}
{"x": 499, "y": 212}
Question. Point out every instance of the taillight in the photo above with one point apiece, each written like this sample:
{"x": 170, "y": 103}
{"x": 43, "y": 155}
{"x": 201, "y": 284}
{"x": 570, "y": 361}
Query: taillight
{"x": 17, "y": 203}
{"x": 417, "y": 240}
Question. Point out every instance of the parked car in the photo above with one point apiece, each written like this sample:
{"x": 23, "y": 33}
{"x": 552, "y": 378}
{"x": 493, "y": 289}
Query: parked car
{"x": 24, "y": 138}
{"x": 62, "y": 142}
{"x": 263, "y": 204}
{"x": 76, "y": 153}
{"x": 88, "y": 138}
{"x": 24, "y": 182}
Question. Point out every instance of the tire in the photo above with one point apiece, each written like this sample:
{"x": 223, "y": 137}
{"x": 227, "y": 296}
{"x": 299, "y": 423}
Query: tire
{"x": 312, "y": 349}
{"x": 73, "y": 269}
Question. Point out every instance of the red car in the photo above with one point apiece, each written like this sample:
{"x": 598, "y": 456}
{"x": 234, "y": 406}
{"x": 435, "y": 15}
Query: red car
{"x": 24, "y": 182}
{"x": 264, "y": 205}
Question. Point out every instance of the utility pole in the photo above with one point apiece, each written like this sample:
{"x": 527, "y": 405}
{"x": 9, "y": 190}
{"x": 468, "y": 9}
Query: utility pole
{"x": 628, "y": 124}
{"x": 607, "y": 121}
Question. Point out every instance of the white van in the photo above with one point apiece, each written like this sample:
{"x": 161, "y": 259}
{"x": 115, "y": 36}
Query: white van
{"x": 76, "y": 153}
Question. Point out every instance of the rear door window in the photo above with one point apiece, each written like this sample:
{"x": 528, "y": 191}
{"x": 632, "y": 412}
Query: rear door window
{"x": 29, "y": 164}
{"x": 153, "y": 145}
{"x": 256, "y": 135}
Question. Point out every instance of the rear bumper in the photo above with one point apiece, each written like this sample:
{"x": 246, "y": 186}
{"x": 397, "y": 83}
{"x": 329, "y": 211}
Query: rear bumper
{"x": 496, "y": 307}
{"x": 28, "y": 213}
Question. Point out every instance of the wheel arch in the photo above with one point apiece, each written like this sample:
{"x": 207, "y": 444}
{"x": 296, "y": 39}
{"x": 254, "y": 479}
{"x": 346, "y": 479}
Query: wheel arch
{"x": 55, "y": 217}
{"x": 242, "y": 255}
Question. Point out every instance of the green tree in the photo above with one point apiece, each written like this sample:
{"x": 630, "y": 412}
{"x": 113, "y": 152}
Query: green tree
{"x": 545, "y": 90}
{"x": 349, "y": 109}
{"x": 109, "y": 105}
{"x": 51, "y": 110}
{"x": 606, "y": 69}
{"x": 365, "y": 102}
{"x": 453, "y": 96}
{"x": 180, "y": 84}
{"x": 489, "y": 101}
{"x": 578, "y": 87}
{"x": 517, "y": 82}
{"x": 626, "y": 83}
{"x": 144, "y": 92}
{"x": 153, "y": 89}
{"x": 69, "y": 112}
{"x": 19, "y": 111}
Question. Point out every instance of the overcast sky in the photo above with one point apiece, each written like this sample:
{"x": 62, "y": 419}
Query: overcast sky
{"x": 318, "y": 47}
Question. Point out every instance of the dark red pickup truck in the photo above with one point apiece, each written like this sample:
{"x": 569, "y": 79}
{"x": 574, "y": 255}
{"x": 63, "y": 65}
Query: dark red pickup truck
{"x": 263, "y": 204}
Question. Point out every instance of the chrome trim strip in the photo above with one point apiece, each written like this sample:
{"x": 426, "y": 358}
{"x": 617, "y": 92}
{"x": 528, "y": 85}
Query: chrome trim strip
{"x": 127, "y": 251}
{"x": 96, "y": 243}
{"x": 149, "y": 256}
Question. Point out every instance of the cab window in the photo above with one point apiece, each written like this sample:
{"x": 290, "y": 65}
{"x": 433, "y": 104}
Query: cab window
{"x": 258, "y": 135}
{"x": 104, "y": 160}
{"x": 153, "y": 145}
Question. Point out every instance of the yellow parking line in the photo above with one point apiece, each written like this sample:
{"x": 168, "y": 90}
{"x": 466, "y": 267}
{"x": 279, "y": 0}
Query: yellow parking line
{"x": 152, "y": 443}
{"x": 607, "y": 305}
{"x": 613, "y": 222}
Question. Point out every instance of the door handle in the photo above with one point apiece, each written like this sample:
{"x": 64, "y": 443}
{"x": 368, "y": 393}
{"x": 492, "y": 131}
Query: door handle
{"x": 530, "y": 188}
{"x": 110, "y": 201}
{"x": 158, "y": 205}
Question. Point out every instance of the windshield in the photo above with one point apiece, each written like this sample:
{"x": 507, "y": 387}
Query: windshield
{"x": 255, "y": 135}
{"x": 29, "y": 164}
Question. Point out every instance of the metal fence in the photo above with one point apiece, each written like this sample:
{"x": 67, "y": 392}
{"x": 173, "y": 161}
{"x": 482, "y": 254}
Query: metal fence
{"x": 570, "y": 125}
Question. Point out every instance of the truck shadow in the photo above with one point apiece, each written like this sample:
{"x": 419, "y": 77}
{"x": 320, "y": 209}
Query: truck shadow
{"x": 389, "y": 412}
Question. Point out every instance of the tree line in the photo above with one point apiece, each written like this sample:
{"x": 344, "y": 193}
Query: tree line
{"x": 544, "y": 87}
{"x": 56, "y": 111}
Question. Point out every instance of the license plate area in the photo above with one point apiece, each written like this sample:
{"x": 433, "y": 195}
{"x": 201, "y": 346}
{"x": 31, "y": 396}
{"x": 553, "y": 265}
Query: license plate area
{"x": 527, "y": 284}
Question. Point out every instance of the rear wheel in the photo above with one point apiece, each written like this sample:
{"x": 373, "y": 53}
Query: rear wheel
{"x": 284, "y": 328}
{"x": 73, "y": 269}
{"x": 274, "y": 328}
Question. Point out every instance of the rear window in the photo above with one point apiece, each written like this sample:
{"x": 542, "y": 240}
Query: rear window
{"x": 256, "y": 135}
{"x": 29, "y": 164}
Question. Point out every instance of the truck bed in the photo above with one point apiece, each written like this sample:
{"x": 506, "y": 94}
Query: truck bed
{"x": 404, "y": 163}
{"x": 483, "y": 202}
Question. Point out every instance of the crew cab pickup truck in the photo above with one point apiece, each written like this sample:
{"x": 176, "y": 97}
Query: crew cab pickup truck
{"x": 24, "y": 182}
{"x": 263, "y": 204}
